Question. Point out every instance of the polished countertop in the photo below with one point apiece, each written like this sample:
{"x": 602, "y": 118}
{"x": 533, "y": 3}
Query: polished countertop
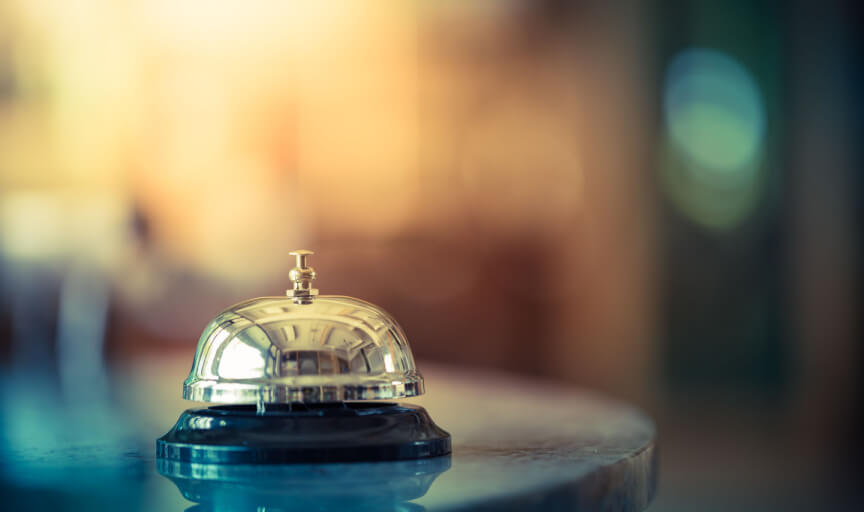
{"x": 518, "y": 444}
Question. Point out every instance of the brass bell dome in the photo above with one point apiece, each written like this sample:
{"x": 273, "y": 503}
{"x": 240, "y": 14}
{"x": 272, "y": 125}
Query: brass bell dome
{"x": 302, "y": 347}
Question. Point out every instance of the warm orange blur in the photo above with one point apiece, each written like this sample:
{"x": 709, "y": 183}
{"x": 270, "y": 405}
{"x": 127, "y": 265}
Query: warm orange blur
{"x": 429, "y": 165}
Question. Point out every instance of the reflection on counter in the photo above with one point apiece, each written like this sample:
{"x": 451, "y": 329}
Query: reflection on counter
{"x": 378, "y": 486}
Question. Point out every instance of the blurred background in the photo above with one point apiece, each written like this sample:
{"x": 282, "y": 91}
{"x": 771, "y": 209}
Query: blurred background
{"x": 659, "y": 200}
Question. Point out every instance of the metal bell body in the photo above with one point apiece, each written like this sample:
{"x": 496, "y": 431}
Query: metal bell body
{"x": 303, "y": 347}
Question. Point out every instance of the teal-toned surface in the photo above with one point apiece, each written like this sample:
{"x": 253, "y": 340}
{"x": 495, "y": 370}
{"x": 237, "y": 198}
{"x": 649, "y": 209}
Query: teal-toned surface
{"x": 517, "y": 445}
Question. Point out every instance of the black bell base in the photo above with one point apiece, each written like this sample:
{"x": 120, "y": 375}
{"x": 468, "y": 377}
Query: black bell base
{"x": 304, "y": 433}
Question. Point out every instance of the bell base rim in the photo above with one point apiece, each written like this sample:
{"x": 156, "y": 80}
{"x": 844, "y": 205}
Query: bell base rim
{"x": 199, "y": 390}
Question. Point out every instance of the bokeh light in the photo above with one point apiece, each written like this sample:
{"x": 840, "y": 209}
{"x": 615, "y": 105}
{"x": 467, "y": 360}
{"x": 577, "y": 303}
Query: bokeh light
{"x": 715, "y": 132}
